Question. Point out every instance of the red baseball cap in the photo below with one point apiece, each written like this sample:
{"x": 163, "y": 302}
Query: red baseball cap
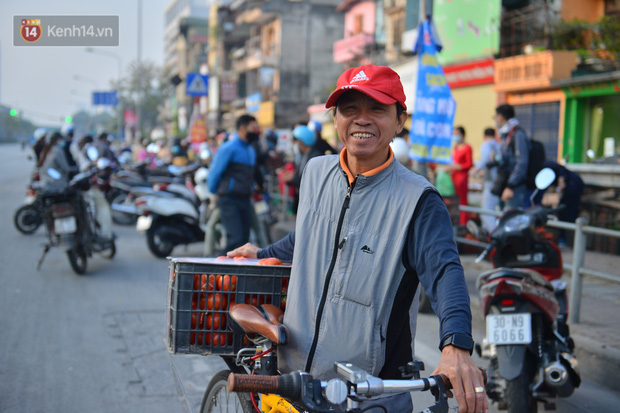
{"x": 378, "y": 82}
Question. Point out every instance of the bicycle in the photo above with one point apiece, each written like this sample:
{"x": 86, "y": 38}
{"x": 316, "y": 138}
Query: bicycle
{"x": 253, "y": 376}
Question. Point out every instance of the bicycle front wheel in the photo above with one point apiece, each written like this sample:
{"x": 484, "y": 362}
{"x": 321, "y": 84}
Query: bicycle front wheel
{"x": 218, "y": 399}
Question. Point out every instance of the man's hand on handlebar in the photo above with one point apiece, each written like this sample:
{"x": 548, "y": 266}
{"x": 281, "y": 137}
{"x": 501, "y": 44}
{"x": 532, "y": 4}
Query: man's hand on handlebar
{"x": 248, "y": 250}
{"x": 466, "y": 379}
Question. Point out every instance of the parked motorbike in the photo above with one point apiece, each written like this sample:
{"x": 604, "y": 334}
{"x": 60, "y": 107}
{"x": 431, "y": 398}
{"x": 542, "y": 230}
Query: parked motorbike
{"x": 70, "y": 220}
{"x": 127, "y": 186}
{"x": 28, "y": 218}
{"x": 531, "y": 354}
{"x": 180, "y": 219}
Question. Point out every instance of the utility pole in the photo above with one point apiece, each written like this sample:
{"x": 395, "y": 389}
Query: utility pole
{"x": 140, "y": 94}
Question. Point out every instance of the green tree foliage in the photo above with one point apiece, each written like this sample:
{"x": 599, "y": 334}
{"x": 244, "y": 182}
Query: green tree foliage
{"x": 145, "y": 87}
{"x": 599, "y": 40}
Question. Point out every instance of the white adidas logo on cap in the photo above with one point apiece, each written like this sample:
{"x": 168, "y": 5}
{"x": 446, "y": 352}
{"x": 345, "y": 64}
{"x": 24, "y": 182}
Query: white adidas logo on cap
{"x": 359, "y": 77}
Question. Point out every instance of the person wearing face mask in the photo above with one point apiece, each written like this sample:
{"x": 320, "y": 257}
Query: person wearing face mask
{"x": 510, "y": 184}
{"x": 304, "y": 140}
{"x": 459, "y": 170}
{"x": 231, "y": 178}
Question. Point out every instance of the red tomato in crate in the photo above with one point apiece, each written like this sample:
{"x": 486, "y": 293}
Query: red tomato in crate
{"x": 213, "y": 321}
{"x": 233, "y": 283}
{"x": 269, "y": 261}
{"x": 219, "y": 339}
{"x": 211, "y": 285}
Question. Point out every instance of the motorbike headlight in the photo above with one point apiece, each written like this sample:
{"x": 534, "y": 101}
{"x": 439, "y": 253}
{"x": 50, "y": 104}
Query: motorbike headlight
{"x": 517, "y": 223}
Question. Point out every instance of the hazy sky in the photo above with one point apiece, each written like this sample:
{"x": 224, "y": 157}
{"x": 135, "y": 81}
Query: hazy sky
{"x": 39, "y": 81}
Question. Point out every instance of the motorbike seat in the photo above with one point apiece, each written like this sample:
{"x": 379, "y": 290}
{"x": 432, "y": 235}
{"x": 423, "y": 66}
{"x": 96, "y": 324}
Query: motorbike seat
{"x": 516, "y": 273}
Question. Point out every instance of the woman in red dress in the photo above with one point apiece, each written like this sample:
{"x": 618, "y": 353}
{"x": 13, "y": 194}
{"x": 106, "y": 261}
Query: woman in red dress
{"x": 462, "y": 163}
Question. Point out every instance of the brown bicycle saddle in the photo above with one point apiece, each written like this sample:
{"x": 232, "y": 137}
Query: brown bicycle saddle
{"x": 247, "y": 319}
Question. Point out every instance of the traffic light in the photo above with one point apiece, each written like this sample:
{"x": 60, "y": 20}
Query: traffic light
{"x": 13, "y": 112}
{"x": 68, "y": 119}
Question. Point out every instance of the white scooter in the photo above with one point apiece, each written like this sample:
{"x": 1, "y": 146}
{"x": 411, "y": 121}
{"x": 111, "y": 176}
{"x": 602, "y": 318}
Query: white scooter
{"x": 181, "y": 219}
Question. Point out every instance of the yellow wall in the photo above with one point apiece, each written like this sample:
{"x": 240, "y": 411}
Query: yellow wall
{"x": 475, "y": 107}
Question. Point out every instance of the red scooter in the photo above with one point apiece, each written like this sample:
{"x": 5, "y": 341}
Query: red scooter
{"x": 525, "y": 307}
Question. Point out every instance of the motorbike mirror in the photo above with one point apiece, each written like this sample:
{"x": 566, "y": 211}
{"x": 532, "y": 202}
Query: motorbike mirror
{"x": 473, "y": 228}
{"x": 92, "y": 153}
{"x": 205, "y": 154}
{"x": 54, "y": 173}
{"x": 544, "y": 178}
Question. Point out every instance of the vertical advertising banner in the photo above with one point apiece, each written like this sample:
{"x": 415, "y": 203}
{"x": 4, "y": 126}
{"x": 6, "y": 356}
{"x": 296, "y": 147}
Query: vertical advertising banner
{"x": 433, "y": 115}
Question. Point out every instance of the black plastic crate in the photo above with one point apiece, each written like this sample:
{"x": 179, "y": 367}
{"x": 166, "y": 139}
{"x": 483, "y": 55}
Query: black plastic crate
{"x": 200, "y": 292}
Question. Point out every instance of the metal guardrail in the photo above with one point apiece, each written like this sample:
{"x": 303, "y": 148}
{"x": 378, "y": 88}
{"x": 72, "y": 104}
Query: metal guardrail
{"x": 579, "y": 249}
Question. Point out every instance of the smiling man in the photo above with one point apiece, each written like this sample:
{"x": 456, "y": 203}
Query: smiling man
{"x": 370, "y": 232}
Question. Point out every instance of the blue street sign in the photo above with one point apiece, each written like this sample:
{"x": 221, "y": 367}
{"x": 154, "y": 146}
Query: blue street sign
{"x": 197, "y": 84}
{"x": 105, "y": 98}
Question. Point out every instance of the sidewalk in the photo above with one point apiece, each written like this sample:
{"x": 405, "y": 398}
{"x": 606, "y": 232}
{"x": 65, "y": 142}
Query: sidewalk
{"x": 596, "y": 336}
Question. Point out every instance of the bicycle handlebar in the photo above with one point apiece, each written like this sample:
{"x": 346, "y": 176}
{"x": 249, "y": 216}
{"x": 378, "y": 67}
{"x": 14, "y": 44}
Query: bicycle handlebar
{"x": 300, "y": 386}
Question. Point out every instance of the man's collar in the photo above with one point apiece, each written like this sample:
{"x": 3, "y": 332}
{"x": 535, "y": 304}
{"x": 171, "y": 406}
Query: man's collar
{"x": 345, "y": 167}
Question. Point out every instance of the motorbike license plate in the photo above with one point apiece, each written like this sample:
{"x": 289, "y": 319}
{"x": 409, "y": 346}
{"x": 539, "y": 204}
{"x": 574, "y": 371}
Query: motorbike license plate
{"x": 66, "y": 225}
{"x": 144, "y": 222}
{"x": 509, "y": 328}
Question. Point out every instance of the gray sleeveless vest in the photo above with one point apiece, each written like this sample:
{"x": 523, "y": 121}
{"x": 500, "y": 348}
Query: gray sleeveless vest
{"x": 347, "y": 265}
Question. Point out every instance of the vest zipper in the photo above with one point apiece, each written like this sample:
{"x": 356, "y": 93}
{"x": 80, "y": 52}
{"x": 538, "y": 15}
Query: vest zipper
{"x": 330, "y": 271}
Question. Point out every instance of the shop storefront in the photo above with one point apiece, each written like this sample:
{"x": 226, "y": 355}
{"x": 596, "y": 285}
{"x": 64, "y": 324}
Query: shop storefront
{"x": 592, "y": 122}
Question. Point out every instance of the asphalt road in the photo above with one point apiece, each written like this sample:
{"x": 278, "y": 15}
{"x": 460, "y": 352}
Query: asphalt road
{"x": 96, "y": 342}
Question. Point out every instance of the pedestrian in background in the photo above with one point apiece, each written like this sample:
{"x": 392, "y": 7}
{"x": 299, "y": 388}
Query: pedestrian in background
{"x": 487, "y": 168}
{"x": 321, "y": 144}
{"x": 459, "y": 170}
{"x": 510, "y": 184}
{"x": 570, "y": 187}
{"x": 231, "y": 179}
{"x": 103, "y": 147}
{"x": 53, "y": 158}
{"x": 305, "y": 140}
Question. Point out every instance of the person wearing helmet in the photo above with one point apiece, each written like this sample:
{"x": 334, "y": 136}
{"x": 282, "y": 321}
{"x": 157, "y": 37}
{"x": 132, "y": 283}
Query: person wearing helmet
{"x": 39, "y": 141}
{"x": 401, "y": 150}
{"x": 69, "y": 146}
{"x": 321, "y": 144}
{"x": 52, "y": 157}
{"x": 304, "y": 140}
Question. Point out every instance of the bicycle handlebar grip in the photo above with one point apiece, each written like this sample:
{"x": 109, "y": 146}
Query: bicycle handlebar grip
{"x": 448, "y": 385}
{"x": 288, "y": 385}
{"x": 252, "y": 384}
